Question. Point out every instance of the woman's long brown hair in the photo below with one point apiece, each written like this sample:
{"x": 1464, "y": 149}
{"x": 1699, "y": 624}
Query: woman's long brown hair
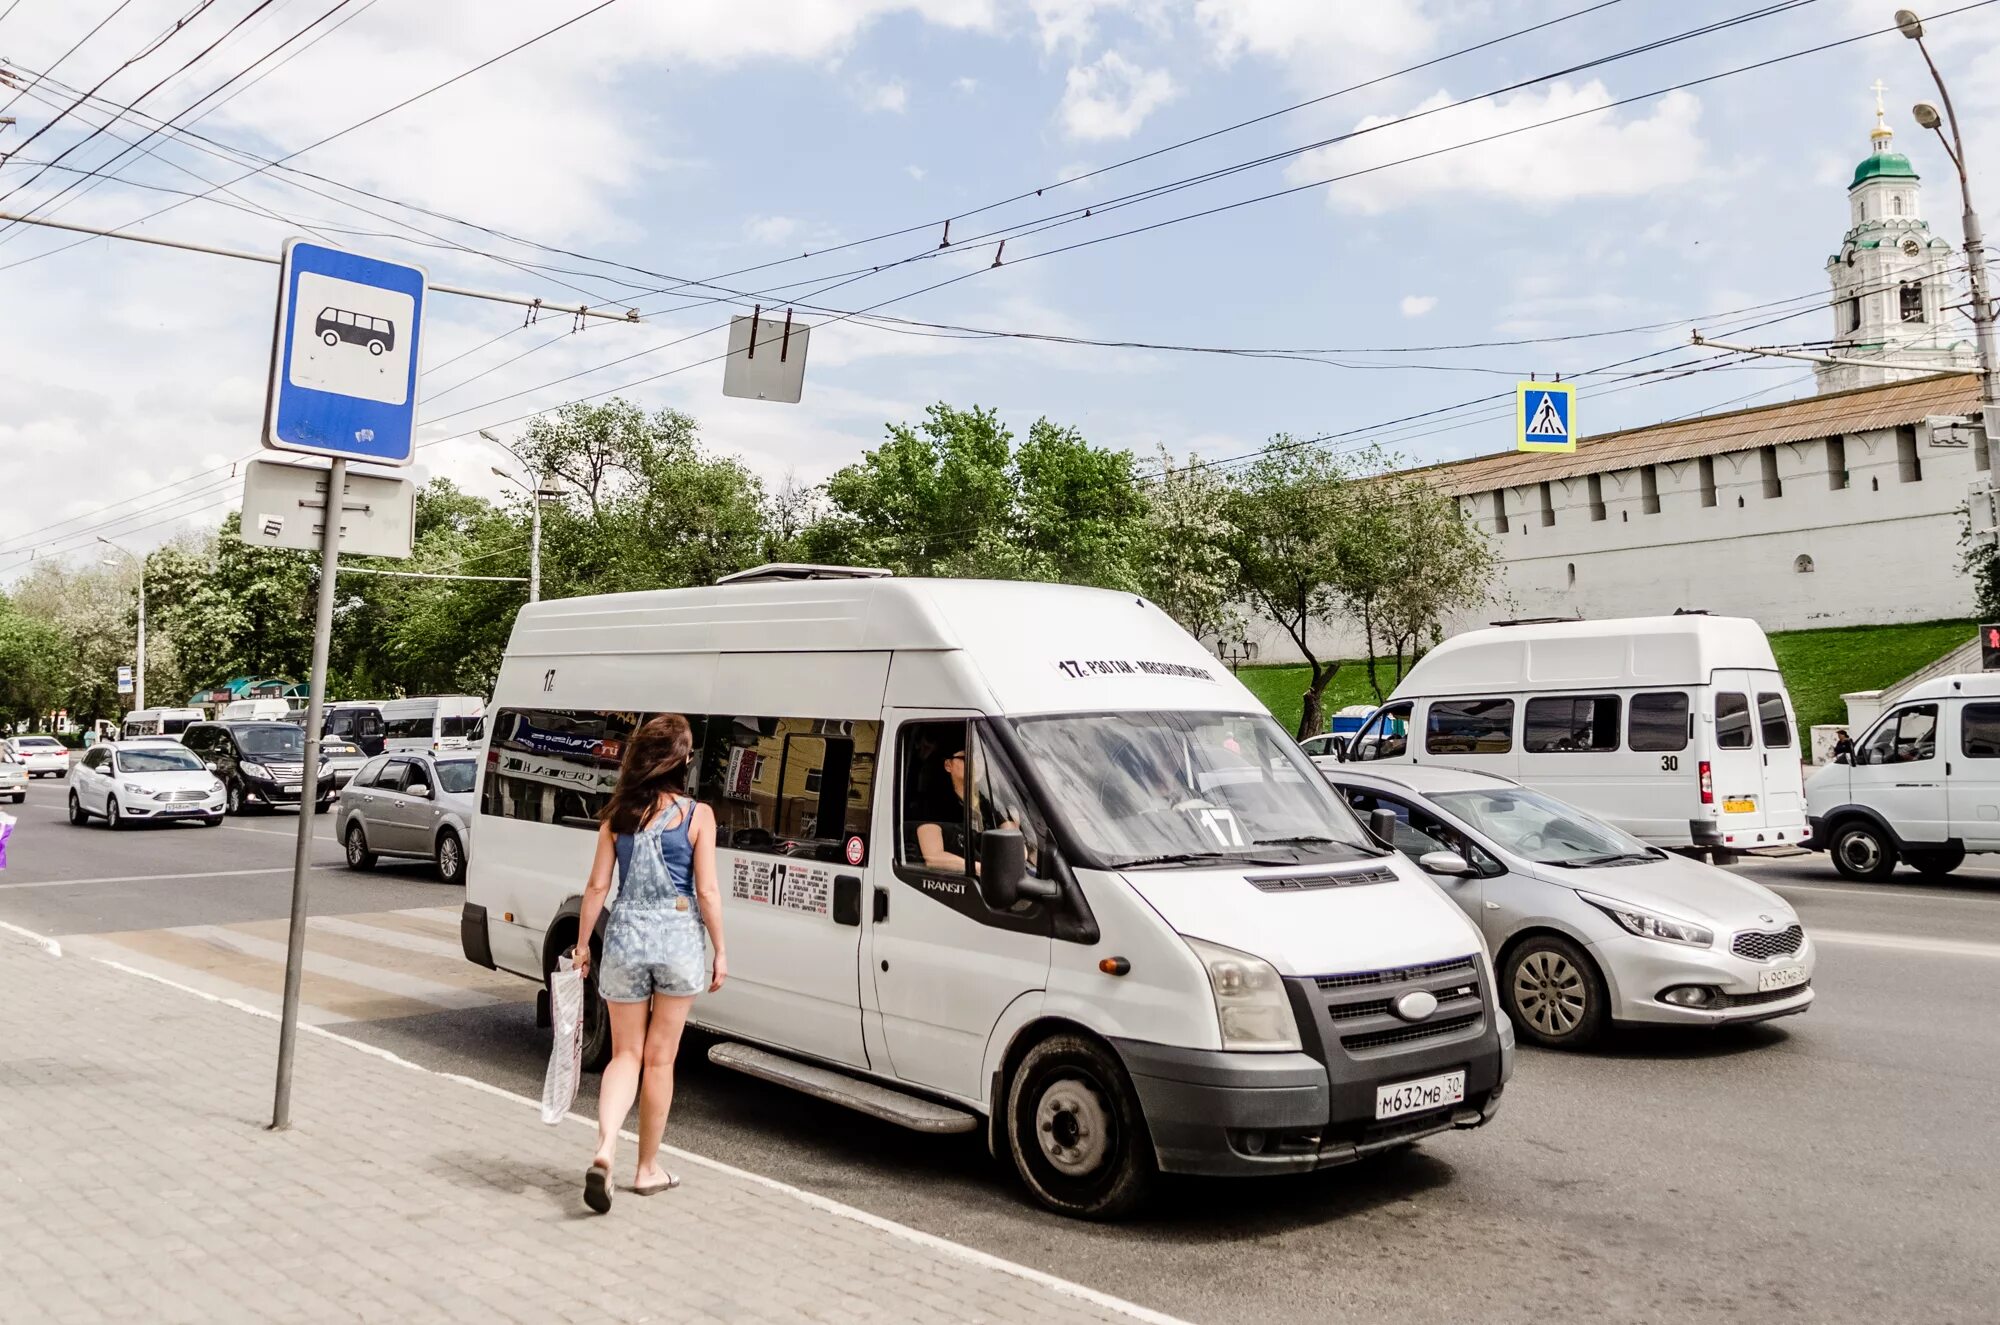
{"x": 656, "y": 761}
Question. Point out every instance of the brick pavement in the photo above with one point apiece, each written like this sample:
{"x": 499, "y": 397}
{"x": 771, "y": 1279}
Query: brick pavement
{"x": 137, "y": 1182}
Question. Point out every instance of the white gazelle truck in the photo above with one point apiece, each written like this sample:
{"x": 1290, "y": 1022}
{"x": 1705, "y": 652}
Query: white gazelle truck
{"x": 1010, "y": 858}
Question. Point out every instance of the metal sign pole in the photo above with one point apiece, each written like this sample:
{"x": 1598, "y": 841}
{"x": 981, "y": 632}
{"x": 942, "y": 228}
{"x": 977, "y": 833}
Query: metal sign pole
{"x": 295, "y": 946}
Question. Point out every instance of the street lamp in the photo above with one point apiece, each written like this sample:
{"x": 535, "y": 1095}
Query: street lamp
{"x": 1927, "y": 116}
{"x": 536, "y": 494}
{"x": 139, "y": 672}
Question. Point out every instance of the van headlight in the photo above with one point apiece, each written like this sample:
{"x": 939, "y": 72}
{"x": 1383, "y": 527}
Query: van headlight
{"x": 1651, "y": 924}
{"x": 1250, "y": 1001}
{"x": 255, "y": 770}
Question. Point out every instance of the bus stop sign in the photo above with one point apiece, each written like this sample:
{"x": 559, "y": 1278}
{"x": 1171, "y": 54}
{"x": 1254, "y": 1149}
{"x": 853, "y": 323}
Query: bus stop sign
{"x": 345, "y": 357}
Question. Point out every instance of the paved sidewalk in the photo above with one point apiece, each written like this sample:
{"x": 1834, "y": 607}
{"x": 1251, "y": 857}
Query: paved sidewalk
{"x": 137, "y": 1183}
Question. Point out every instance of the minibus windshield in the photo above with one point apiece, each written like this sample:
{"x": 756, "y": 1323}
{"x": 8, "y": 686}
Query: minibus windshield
{"x": 1169, "y": 787}
{"x": 1545, "y": 830}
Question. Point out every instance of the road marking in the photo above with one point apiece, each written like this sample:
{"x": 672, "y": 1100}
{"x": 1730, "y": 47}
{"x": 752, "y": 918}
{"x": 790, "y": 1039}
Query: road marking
{"x": 392, "y": 938}
{"x": 1908, "y": 943}
{"x": 292, "y": 835}
{"x": 364, "y": 974}
{"x": 150, "y": 878}
{"x": 1887, "y": 891}
{"x": 943, "y": 1246}
{"x": 48, "y": 945}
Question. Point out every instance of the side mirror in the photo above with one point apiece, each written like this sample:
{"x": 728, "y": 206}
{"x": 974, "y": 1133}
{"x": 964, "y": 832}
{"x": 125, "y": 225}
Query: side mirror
{"x": 1860, "y": 757}
{"x": 1444, "y": 862}
{"x": 1382, "y": 823}
{"x": 1003, "y": 866}
{"x": 209, "y": 764}
{"x": 1843, "y": 759}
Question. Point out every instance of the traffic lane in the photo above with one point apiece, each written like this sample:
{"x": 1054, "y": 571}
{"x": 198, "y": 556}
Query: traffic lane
{"x": 1672, "y": 1176}
{"x": 65, "y": 879}
{"x": 1965, "y": 907}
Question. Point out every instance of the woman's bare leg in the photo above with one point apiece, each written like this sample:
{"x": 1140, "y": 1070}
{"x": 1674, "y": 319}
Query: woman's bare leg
{"x": 656, "y": 1091}
{"x": 620, "y": 1082}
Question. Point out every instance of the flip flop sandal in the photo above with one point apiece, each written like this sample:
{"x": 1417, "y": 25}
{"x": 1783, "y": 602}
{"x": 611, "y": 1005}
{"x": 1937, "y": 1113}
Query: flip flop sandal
{"x": 597, "y": 1188}
{"x": 654, "y": 1189}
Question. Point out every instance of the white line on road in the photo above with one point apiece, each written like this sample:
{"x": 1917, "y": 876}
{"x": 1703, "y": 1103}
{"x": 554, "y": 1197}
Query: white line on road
{"x": 150, "y": 878}
{"x": 413, "y": 987}
{"x": 390, "y": 938}
{"x": 291, "y": 833}
{"x": 1908, "y": 943}
{"x": 1887, "y": 892}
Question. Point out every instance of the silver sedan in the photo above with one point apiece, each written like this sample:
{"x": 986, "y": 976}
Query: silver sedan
{"x": 409, "y": 804}
{"x": 1587, "y": 924}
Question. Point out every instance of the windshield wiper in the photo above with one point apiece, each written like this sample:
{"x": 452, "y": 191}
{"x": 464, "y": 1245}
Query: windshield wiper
{"x": 1592, "y": 862}
{"x": 1304, "y": 840}
{"x": 1192, "y": 858}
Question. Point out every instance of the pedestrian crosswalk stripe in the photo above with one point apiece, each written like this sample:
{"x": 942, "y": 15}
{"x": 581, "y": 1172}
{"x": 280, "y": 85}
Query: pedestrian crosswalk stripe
{"x": 394, "y": 938}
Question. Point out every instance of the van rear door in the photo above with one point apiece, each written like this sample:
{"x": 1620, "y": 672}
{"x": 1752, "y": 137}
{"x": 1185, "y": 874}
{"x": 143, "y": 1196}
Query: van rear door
{"x": 1754, "y": 760}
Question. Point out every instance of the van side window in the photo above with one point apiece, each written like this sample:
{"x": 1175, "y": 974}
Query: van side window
{"x": 1384, "y": 736}
{"x": 466, "y": 725}
{"x": 555, "y": 766}
{"x": 417, "y": 729}
{"x": 955, "y": 787}
{"x": 1732, "y": 722}
{"x": 1659, "y": 722}
{"x": 1470, "y": 727}
{"x": 1564, "y": 723}
{"x": 1774, "y": 722}
{"x": 1907, "y": 736}
{"x": 1979, "y": 731}
{"x": 793, "y": 786}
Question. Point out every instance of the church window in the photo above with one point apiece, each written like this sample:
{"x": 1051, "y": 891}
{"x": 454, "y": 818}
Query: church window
{"x": 1896, "y": 204}
{"x": 1836, "y": 463}
{"x": 1649, "y": 489}
{"x": 1850, "y": 315}
{"x": 1804, "y": 565}
{"x": 1773, "y": 485}
{"x": 1913, "y": 302}
{"x": 1708, "y": 480}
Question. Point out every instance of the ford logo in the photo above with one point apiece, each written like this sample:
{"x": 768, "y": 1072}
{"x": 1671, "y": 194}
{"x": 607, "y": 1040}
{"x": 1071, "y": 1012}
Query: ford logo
{"x": 1417, "y": 1005}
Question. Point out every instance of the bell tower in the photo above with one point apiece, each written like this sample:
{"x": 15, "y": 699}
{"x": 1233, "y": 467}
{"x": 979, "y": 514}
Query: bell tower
{"x": 1891, "y": 279}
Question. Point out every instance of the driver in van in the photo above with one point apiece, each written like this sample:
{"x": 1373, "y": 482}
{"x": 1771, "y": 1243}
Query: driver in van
{"x": 941, "y": 839}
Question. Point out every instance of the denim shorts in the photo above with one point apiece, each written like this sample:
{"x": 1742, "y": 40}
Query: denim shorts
{"x": 653, "y": 949}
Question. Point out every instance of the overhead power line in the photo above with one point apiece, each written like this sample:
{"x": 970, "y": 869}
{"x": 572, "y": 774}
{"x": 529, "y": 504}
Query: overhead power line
{"x": 73, "y": 48}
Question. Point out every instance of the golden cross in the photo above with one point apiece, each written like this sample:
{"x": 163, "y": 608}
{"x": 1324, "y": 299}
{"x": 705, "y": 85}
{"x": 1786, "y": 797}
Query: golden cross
{"x": 1878, "y": 88}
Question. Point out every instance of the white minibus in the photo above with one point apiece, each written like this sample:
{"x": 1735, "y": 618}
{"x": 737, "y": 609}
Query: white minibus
{"x": 1013, "y": 858}
{"x": 160, "y": 722}
{"x": 255, "y": 710}
{"x": 1677, "y": 729}
{"x": 434, "y": 723}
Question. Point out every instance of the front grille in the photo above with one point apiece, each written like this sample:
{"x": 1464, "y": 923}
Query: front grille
{"x": 1768, "y": 996}
{"x": 1380, "y": 1007}
{"x": 1761, "y": 945}
{"x": 1290, "y": 883}
{"x": 189, "y": 796}
{"x": 1397, "y": 975}
{"x": 1429, "y": 1030}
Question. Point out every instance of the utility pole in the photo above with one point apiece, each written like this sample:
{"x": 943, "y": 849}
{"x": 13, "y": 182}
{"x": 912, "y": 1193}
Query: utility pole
{"x": 1975, "y": 239}
{"x": 139, "y": 672}
{"x": 537, "y": 491}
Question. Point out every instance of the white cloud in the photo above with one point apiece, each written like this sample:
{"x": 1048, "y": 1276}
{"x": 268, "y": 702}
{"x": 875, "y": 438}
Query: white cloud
{"x": 1069, "y": 23}
{"x": 914, "y": 172}
{"x": 771, "y": 229}
{"x": 1113, "y": 97}
{"x": 966, "y": 86}
{"x": 891, "y": 96}
{"x": 1416, "y": 305}
{"x": 1592, "y": 156}
{"x": 1317, "y": 37}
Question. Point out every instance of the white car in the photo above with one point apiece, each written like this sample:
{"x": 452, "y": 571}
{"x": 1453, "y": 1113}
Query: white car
{"x": 44, "y": 755}
{"x": 1587, "y": 924}
{"x": 140, "y": 781}
{"x": 13, "y": 777}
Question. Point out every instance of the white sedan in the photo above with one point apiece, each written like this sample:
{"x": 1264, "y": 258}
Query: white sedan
{"x": 43, "y": 755}
{"x": 143, "y": 781}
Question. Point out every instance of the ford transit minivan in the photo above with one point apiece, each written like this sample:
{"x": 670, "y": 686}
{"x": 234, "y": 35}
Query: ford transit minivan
{"x": 1011, "y": 858}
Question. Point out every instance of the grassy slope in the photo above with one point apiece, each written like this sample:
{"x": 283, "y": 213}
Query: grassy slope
{"x": 1819, "y": 666}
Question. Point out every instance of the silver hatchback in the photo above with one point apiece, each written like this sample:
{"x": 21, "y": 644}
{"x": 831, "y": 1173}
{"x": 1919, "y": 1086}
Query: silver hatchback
{"x": 409, "y": 804}
{"x": 1588, "y": 925}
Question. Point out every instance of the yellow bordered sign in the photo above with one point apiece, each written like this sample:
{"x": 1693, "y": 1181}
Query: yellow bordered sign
{"x": 1543, "y": 417}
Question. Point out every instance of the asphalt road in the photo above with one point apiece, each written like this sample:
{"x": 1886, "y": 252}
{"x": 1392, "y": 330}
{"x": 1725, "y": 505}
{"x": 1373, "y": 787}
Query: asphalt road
{"x": 1839, "y": 1166}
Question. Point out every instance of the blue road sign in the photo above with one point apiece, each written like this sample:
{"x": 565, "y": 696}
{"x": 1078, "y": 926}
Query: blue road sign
{"x": 1542, "y": 416}
{"x": 344, "y": 360}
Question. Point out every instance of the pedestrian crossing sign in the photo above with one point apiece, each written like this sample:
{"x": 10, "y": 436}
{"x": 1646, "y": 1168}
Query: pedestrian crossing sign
{"x": 1542, "y": 416}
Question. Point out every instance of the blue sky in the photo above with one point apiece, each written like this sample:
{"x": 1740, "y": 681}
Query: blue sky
{"x": 703, "y": 137}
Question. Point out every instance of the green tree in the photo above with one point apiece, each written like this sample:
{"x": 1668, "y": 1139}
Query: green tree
{"x": 1409, "y": 559}
{"x": 234, "y": 609}
{"x": 1183, "y": 561}
{"x": 35, "y": 666}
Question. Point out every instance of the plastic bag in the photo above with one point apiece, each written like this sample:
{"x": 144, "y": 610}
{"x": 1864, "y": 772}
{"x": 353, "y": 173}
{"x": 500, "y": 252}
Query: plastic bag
{"x": 566, "y": 1049}
{"x": 6, "y": 831}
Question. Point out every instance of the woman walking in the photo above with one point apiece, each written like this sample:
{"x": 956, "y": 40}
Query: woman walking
{"x": 662, "y": 844}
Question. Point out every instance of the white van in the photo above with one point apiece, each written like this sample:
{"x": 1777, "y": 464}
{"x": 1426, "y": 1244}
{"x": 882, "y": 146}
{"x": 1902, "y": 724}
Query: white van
{"x": 1677, "y": 729}
{"x": 256, "y": 710}
{"x": 1177, "y": 949}
{"x": 1923, "y": 785}
{"x": 160, "y": 722}
{"x": 433, "y": 723}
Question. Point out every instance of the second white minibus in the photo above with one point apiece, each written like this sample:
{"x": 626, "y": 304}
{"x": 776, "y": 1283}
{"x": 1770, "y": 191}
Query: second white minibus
{"x": 433, "y": 722}
{"x": 1011, "y": 858}
{"x": 1677, "y": 729}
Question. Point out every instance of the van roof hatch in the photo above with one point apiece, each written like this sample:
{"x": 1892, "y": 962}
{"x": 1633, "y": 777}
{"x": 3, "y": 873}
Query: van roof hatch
{"x": 798, "y": 570}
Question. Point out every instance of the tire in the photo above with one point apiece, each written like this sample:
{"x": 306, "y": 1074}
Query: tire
{"x": 112, "y": 819}
{"x": 1554, "y": 992}
{"x": 321, "y": 807}
{"x": 232, "y": 798}
{"x": 1862, "y": 852}
{"x": 451, "y": 858}
{"x": 330, "y": 338}
{"x": 77, "y": 814}
{"x": 376, "y": 347}
{"x": 1075, "y": 1130}
{"x": 1939, "y": 862}
{"x": 20, "y": 798}
{"x": 359, "y": 857}
{"x": 596, "y": 1021}
{"x": 215, "y": 822}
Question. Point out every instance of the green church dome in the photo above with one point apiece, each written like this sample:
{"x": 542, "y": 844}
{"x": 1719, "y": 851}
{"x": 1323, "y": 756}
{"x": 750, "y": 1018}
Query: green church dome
{"x": 1883, "y": 165}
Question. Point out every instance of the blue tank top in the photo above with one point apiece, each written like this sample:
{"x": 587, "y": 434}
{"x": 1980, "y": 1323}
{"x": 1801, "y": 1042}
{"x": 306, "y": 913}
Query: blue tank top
{"x": 656, "y": 864}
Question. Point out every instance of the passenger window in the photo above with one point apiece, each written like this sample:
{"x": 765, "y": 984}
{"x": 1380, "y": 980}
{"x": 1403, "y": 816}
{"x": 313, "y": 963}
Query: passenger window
{"x": 1732, "y": 722}
{"x": 557, "y": 766}
{"x": 1907, "y": 736}
{"x": 1570, "y": 723}
{"x": 955, "y": 787}
{"x": 794, "y": 786}
{"x": 1470, "y": 727}
{"x": 471, "y": 727}
{"x": 409, "y": 729}
{"x": 1772, "y": 719}
{"x": 1979, "y": 731}
{"x": 1384, "y": 736}
{"x": 416, "y": 778}
{"x": 1659, "y": 722}
{"x": 370, "y": 771}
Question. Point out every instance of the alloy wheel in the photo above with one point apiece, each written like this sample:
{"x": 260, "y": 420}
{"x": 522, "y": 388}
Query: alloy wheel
{"x": 1550, "y": 992}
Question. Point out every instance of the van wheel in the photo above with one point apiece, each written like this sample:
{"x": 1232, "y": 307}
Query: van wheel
{"x": 359, "y": 857}
{"x": 1862, "y": 852}
{"x": 1939, "y": 862}
{"x": 1554, "y": 993}
{"x": 451, "y": 858}
{"x": 1075, "y": 1130}
{"x": 232, "y": 798}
